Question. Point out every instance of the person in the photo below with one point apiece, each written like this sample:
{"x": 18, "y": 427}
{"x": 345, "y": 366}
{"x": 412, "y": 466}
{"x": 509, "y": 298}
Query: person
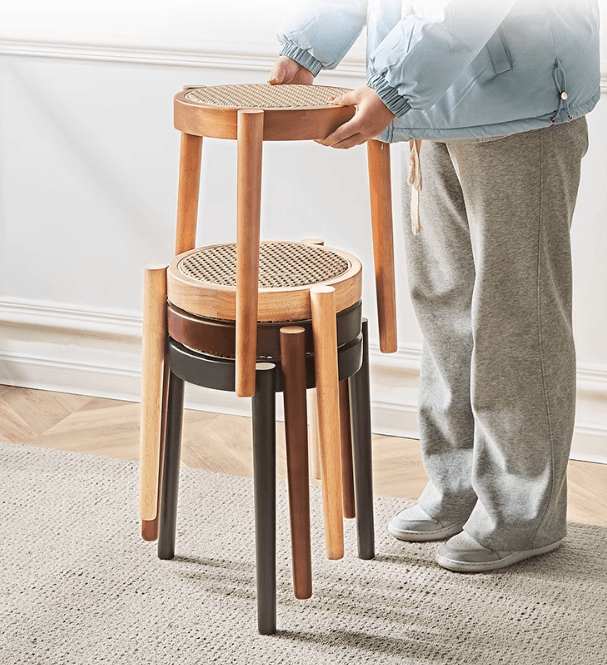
{"x": 492, "y": 99}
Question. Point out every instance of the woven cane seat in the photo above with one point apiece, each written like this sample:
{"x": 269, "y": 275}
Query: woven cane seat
{"x": 292, "y": 112}
{"x": 203, "y": 281}
{"x": 265, "y": 96}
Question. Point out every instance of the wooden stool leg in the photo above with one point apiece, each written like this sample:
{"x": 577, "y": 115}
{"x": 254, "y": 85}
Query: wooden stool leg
{"x": 327, "y": 388}
{"x": 293, "y": 363}
{"x": 250, "y": 146}
{"x": 149, "y": 528}
{"x": 383, "y": 242}
{"x": 314, "y": 443}
{"x": 170, "y": 471}
{"x": 189, "y": 190}
{"x": 264, "y": 473}
{"x": 347, "y": 479}
{"x": 312, "y": 405}
{"x": 153, "y": 343}
{"x": 360, "y": 411}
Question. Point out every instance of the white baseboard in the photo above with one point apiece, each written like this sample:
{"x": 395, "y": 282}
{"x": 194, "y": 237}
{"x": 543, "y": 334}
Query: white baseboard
{"x": 50, "y": 346}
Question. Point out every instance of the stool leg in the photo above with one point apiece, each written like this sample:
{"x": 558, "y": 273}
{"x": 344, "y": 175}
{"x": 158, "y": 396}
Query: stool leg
{"x": 293, "y": 364}
{"x": 149, "y": 528}
{"x": 170, "y": 470}
{"x": 264, "y": 474}
{"x": 360, "y": 412}
{"x": 383, "y": 242}
{"x": 250, "y": 146}
{"x": 189, "y": 190}
{"x": 314, "y": 438}
{"x": 347, "y": 480}
{"x": 324, "y": 330}
{"x": 153, "y": 344}
{"x": 312, "y": 405}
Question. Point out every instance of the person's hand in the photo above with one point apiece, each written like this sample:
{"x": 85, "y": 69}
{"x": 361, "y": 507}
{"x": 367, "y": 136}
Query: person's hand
{"x": 288, "y": 71}
{"x": 371, "y": 118}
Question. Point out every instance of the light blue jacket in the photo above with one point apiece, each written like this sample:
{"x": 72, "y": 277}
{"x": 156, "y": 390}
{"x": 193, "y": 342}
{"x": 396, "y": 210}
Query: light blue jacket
{"x": 464, "y": 68}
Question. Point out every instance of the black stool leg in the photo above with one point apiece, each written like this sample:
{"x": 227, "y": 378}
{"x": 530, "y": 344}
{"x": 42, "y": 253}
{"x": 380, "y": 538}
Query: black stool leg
{"x": 264, "y": 471}
{"x": 360, "y": 414}
{"x": 170, "y": 472}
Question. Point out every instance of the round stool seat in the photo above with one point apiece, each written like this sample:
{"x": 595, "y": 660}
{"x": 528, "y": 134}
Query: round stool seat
{"x": 263, "y": 96}
{"x": 292, "y": 112}
{"x": 203, "y": 281}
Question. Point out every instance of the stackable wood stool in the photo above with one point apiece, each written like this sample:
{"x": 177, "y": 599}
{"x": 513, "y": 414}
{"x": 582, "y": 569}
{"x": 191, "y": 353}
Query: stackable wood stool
{"x": 230, "y": 316}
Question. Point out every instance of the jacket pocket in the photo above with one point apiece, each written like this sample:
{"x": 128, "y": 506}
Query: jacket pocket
{"x": 500, "y": 58}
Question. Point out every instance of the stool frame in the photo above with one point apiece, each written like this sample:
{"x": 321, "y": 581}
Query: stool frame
{"x": 184, "y": 364}
{"x": 251, "y": 127}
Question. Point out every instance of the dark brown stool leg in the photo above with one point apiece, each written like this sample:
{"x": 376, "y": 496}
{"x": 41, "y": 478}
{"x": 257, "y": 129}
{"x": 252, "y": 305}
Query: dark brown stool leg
{"x": 264, "y": 473}
{"x": 347, "y": 479}
{"x": 170, "y": 471}
{"x": 360, "y": 411}
{"x": 293, "y": 363}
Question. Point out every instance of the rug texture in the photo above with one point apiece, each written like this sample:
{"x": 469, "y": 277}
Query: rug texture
{"x": 79, "y": 585}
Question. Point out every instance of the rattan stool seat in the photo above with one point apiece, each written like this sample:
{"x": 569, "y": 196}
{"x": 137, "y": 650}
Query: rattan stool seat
{"x": 203, "y": 281}
{"x": 293, "y": 112}
{"x": 265, "y": 96}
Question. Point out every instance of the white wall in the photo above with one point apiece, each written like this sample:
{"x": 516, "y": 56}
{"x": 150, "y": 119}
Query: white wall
{"x": 88, "y": 175}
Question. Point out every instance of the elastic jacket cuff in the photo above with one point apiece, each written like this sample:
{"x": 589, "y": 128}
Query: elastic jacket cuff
{"x": 302, "y": 57}
{"x": 389, "y": 96}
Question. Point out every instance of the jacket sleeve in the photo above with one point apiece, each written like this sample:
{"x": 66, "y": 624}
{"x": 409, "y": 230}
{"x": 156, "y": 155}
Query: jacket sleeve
{"x": 420, "y": 58}
{"x": 321, "y": 33}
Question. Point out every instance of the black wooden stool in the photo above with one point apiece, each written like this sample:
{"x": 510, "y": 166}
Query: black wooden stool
{"x": 186, "y": 364}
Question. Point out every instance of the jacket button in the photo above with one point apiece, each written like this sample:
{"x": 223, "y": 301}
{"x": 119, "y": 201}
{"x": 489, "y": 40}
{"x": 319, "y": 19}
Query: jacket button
{"x": 564, "y": 95}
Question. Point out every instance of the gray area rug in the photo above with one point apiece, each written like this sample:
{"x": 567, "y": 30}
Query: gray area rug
{"x": 79, "y": 586}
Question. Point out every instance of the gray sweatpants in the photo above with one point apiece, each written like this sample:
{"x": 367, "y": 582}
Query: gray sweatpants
{"x": 491, "y": 283}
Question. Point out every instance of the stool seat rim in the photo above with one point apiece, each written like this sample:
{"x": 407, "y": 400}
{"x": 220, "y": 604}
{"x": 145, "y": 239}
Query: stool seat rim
{"x": 295, "y": 123}
{"x": 218, "y": 301}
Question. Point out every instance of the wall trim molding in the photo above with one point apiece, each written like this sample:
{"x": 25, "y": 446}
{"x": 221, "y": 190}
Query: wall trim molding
{"x": 224, "y": 59}
{"x": 53, "y": 346}
{"x": 26, "y": 313}
{"x": 161, "y": 56}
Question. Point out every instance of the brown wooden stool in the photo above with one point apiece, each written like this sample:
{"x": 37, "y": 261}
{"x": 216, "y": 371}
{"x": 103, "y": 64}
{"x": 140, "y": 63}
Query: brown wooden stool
{"x": 252, "y": 114}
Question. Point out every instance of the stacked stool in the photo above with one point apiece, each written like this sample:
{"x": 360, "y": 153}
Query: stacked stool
{"x": 257, "y": 318}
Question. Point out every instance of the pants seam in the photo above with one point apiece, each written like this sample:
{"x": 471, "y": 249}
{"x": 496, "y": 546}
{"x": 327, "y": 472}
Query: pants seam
{"x": 539, "y": 321}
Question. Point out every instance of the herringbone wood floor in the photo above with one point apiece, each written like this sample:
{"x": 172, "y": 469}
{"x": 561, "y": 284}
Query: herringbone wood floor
{"x": 223, "y": 443}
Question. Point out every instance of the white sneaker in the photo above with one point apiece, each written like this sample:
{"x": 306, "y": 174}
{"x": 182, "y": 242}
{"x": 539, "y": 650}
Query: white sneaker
{"x": 464, "y": 554}
{"x": 415, "y": 525}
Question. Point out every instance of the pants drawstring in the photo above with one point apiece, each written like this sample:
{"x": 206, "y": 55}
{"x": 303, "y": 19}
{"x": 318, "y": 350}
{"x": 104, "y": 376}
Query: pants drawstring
{"x": 415, "y": 180}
